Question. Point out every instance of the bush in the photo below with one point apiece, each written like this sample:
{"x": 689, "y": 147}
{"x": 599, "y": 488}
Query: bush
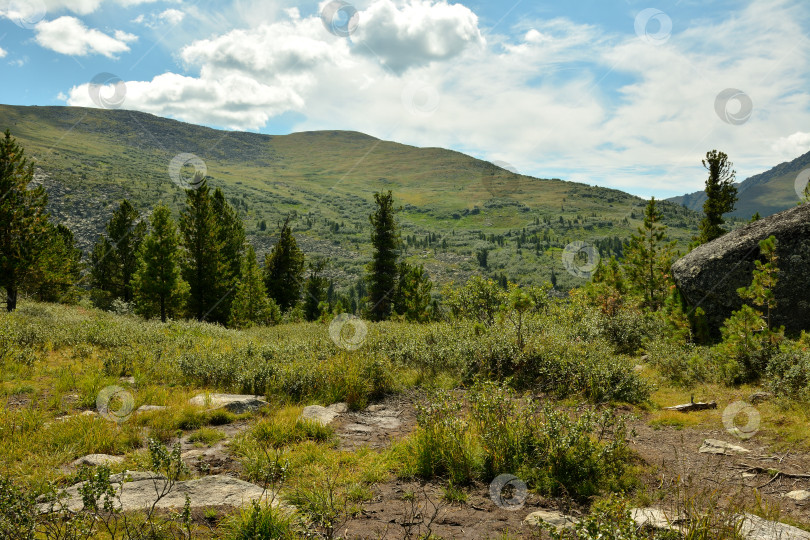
{"x": 261, "y": 522}
{"x": 789, "y": 375}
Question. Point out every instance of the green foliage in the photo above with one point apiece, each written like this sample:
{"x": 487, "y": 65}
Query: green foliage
{"x": 158, "y": 284}
{"x": 648, "y": 258}
{"x": 23, "y": 219}
{"x": 382, "y": 270}
{"x": 58, "y": 267}
{"x": 262, "y": 522}
{"x": 251, "y": 305}
{"x": 18, "y": 512}
{"x": 721, "y": 195}
{"x": 231, "y": 236}
{"x": 116, "y": 255}
{"x": 748, "y": 339}
{"x": 478, "y": 299}
{"x": 411, "y": 297}
{"x": 788, "y": 374}
{"x": 315, "y": 289}
{"x": 551, "y": 452}
{"x": 284, "y": 269}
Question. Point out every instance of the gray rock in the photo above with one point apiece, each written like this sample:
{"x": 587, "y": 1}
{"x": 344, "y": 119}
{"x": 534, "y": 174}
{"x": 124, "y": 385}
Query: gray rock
{"x": 756, "y": 528}
{"x": 138, "y": 492}
{"x": 323, "y": 415}
{"x": 759, "y": 397}
{"x": 235, "y": 403}
{"x": 714, "y": 446}
{"x": 96, "y": 460}
{"x": 798, "y": 495}
{"x": 145, "y": 408}
{"x": 557, "y": 519}
{"x": 654, "y": 518}
{"x": 128, "y": 380}
{"x": 710, "y": 275}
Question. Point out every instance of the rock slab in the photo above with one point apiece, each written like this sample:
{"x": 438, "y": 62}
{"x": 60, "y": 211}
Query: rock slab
{"x": 235, "y": 403}
{"x": 715, "y": 446}
{"x": 557, "y": 519}
{"x": 138, "y": 492}
{"x": 97, "y": 460}
{"x": 323, "y": 415}
{"x": 798, "y": 495}
{"x": 710, "y": 275}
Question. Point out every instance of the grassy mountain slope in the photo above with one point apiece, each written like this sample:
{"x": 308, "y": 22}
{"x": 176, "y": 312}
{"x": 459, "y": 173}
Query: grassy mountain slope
{"x": 88, "y": 159}
{"x": 767, "y": 193}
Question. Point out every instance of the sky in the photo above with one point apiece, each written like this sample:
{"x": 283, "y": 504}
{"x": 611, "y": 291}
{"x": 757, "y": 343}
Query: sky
{"x": 618, "y": 93}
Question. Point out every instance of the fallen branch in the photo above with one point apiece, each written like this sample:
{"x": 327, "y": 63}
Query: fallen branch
{"x": 689, "y": 407}
{"x": 774, "y": 473}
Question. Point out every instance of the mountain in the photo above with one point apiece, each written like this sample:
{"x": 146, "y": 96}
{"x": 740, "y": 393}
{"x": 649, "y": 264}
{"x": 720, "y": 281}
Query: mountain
{"x": 767, "y": 193}
{"x": 453, "y": 206}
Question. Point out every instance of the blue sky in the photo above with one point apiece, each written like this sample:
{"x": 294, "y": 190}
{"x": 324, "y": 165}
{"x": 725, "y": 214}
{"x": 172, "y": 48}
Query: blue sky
{"x": 626, "y": 94}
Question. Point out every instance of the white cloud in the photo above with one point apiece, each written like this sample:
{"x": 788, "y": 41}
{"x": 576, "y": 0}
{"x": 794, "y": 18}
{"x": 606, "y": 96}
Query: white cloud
{"x": 3, "y": 53}
{"x": 792, "y": 146}
{"x": 172, "y": 16}
{"x": 68, "y": 35}
{"x": 416, "y": 34}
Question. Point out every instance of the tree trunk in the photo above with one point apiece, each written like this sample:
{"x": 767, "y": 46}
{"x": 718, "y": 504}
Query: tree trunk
{"x": 162, "y": 308}
{"x": 11, "y": 298}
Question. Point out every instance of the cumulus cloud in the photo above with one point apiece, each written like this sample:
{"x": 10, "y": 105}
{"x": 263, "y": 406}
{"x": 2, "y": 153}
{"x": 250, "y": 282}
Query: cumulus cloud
{"x": 171, "y": 17}
{"x": 68, "y": 35}
{"x": 2, "y": 53}
{"x": 417, "y": 33}
{"x": 792, "y": 146}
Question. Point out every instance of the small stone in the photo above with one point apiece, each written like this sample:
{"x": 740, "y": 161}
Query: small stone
{"x": 759, "y": 397}
{"x": 653, "y": 518}
{"x": 384, "y": 422}
{"x": 756, "y": 528}
{"x": 715, "y": 446}
{"x": 748, "y": 475}
{"x": 645, "y": 358}
{"x": 798, "y": 495}
{"x": 97, "y": 460}
{"x": 128, "y": 380}
{"x": 146, "y": 408}
{"x": 323, "y": 415}
{"x": 359, "y": 428}
{"x": 557, "y": 519}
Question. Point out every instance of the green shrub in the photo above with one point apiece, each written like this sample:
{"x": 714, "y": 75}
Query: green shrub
{"x": 261, "y": 522}
{"x": 789, "y": 374}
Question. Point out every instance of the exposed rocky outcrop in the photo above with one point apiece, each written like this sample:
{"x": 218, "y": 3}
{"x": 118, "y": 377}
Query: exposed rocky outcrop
{"x": 710, "y": 275}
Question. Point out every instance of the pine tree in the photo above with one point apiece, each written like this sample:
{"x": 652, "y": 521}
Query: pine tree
{"x": 232, "y": 239}
{"x": 204, "y": 266}
{"x": 158, "y": 284}
{"x": 411, "y": 298}
{"x": 284, "y": 270}
{"x": 251, "y": 305}
{"x": 385, "y": 241}
{"x": 23, "y": 218}
{"x": 648, "y": 258}
{"x": 721, "y": 195}
{"x": 316, "y": 294}
{"x": 58, "y": 267}
{"x": 125, "y": 231}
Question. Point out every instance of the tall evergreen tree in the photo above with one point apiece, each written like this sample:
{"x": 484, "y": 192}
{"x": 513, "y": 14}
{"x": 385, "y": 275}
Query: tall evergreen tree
{"x": 648, "y": 258}
{"x": 315, "y": 290}
{"x": 158, "y": 284}
{"x": 251, "y": 305}
{"x": 232, "y": 239}
{"x": 115, "y": 257}
{"x": 58, "y": 266}
{"x": 204, "y": 266}
{"x": 412, "y": 295}
{"x": 23, "y": 218}
{"x": 284, "y": 269}
{"x": 383, "y": 269}
{"x": 721, "y": 195}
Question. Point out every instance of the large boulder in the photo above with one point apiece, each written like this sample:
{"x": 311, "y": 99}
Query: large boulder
{"x": 710, "y": 275}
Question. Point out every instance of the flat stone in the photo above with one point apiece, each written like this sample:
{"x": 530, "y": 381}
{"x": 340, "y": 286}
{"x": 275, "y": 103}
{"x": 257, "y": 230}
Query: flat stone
{"x": 654, "y": 518}
{"x": 715, "y": 446}
{"x": 358, "y": 428}
{"x": 756, "y": 528}
{"x": 383, "y": 422}
{"x": 235, "y": 403}
{"x": 798, "y": 495}
{"x": 146, "y": 408}
{"x": 97, "y": 460}
{"x": 759, "y": 397}
{"x": 138, "y": 492}
{"x": 557, "y": 519}
{"x": 323, "y": 415}
{"x": 128, "y": 380}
